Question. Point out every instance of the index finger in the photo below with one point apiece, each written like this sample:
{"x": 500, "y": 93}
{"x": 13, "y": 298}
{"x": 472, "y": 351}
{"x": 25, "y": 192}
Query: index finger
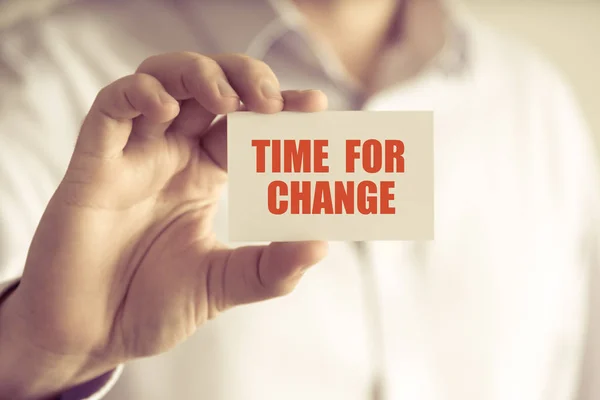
{"x": 189, "y": 75}
{"x": 214, "y": 141}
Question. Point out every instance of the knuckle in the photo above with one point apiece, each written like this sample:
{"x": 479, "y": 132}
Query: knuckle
{"x": 148, "y": 62}
{"x": 198, "y": 71}
{"x": 240, "y": 57}
{"x": 260, "y": 71}
{"x": 107, "y": 97}
{"x": 189, "y": 54}
{"x": 201, "y": 65}
{"x": 253, "y": 66}
{"x": 119, "y": 94}
{"x": 140, "y": 82}
{"x": 104, "y": 93}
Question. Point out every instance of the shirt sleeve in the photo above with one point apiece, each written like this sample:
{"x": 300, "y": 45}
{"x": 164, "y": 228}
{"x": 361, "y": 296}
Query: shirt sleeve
{"x": 590, "y": 369}
{"x": 590, "y": 373}
{"x": 40, "y": 114}
{"x": 580, "y": 174}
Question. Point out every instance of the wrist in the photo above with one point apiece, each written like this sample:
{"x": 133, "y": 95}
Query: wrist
{"x": 31, "y": 372}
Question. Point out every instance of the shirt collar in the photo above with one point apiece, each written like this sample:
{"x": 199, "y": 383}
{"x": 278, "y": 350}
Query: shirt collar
{"x": 236, "y": 25}
{"x": 261, "y": 23}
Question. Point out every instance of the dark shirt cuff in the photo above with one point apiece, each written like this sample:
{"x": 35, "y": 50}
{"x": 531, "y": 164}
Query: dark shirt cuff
{"x": 87, "y": 389}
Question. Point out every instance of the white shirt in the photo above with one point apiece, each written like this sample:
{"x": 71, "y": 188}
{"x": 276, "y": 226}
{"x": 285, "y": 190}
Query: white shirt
{"x": 495, "y": 308}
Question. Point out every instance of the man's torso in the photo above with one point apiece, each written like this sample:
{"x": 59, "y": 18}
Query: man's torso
{"x": 479, "y": 313}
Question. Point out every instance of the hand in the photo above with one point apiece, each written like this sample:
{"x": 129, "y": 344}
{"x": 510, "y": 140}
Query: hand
{"x": 124, "y": 262}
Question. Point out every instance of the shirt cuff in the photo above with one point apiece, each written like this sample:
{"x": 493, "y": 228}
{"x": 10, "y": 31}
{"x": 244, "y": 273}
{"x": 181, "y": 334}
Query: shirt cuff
{"x": 95, "y": 389}
{"x": 7, "y": 286}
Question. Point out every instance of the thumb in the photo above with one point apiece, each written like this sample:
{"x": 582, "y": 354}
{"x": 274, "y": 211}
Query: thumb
{"x": 254, "y": 273}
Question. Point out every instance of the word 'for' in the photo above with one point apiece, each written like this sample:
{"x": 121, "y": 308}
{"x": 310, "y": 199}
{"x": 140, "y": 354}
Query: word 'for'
{"x": 309, "y": 156}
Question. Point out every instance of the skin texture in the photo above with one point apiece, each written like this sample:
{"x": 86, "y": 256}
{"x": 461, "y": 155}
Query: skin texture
{"x": 124, "y": 263}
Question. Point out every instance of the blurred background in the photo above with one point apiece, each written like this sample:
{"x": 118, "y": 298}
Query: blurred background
{"x": 565, "y": 31}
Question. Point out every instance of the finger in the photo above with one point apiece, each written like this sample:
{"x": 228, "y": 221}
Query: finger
{"x": 254, "y": 81}
{"x": 108, "y": 125}
{"x": 193, "y": 119}
{"x": 146, "y": 128}
{"x": 192, "y": 75}
{"x": 214, "y": 141}
{"x": 255, "y": 273}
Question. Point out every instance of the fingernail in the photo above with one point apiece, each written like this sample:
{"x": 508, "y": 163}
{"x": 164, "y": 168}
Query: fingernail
{"x": 225, "y": 89}
{"x": 271, "y": 91}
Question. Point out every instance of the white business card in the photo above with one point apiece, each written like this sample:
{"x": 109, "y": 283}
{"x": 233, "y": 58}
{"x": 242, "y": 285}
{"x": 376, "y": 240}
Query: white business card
{"x": 333, "y": 175}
